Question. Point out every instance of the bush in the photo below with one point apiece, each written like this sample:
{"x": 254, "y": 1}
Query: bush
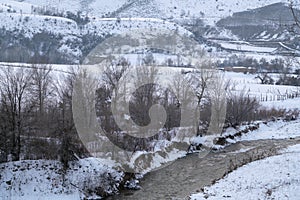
{"x": 241, "y": 108}
{"x": 288, "y": 80}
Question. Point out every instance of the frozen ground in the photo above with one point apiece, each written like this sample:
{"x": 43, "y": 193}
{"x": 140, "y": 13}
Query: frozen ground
{"x": 275, "y": 177}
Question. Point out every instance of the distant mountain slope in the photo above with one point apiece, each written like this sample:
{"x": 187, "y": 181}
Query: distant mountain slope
{"x": 269, "y": 23}
{"x": 277, "y": 14}
{"x": 209, "y": 10}
{"x": 270, "y": 26}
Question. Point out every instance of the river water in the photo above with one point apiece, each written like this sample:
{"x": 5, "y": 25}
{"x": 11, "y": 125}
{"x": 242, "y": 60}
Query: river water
{"x": 191, "y": 173}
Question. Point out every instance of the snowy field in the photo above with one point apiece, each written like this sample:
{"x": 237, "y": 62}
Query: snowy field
{"x": 267, "y": 94}
{"x": 275, "y": 177}
{"x": 246, "y": 47}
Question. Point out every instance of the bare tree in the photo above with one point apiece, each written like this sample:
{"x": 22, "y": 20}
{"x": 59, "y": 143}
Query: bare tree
{"x": 114, "y": 71}
{"x": 144, "y": 96}
{"x": 201, "y": 79}
{"x": 63, "y": 89}
{"x": 264, "y": 78}
{"x": 182, "y": 88}
{"x": 4, "y": 139}
{"x": 14, "y": 85}
{"x": 42, "y": 88}
{"x": 66, "y": 85}
{"x": 218, "y": 89}
{"x": 185, "y": 97}
{"x": 296, "y": 25}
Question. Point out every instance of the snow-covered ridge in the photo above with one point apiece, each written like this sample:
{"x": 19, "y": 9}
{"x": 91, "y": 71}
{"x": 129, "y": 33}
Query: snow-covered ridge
{"x": 94, "y": 8}
{"x": 32, "y": 24}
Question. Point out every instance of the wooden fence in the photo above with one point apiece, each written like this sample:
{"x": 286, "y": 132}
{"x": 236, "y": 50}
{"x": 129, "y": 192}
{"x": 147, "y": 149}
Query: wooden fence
{"x": 279, "y": 97}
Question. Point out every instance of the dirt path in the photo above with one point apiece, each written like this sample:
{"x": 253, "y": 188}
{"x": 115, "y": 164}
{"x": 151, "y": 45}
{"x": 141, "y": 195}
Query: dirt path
{"x": 191, "y": 173}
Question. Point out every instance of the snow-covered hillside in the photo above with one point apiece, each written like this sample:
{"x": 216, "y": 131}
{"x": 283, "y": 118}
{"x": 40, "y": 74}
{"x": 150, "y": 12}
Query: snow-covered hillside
{"x": 30, "y": 25}
{"x": 211, "y": 11}
{"x": 46, "y": 34}
{"x": 29, "y": 18}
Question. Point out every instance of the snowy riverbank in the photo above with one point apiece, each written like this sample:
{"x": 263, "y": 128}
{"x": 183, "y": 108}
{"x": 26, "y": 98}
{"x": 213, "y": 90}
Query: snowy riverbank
{"x": 275, "y": 177}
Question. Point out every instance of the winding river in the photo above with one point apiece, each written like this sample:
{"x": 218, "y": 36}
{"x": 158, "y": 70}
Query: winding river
{"x": 191, "y": 173}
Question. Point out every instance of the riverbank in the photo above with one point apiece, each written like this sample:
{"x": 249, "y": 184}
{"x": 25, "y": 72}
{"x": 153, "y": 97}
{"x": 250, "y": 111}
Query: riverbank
{"x": 276, "y": 177}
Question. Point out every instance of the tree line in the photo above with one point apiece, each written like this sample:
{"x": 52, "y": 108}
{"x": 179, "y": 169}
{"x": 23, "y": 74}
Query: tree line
{"x": 36, "y": 114}
{"x": 37, "y": 105}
